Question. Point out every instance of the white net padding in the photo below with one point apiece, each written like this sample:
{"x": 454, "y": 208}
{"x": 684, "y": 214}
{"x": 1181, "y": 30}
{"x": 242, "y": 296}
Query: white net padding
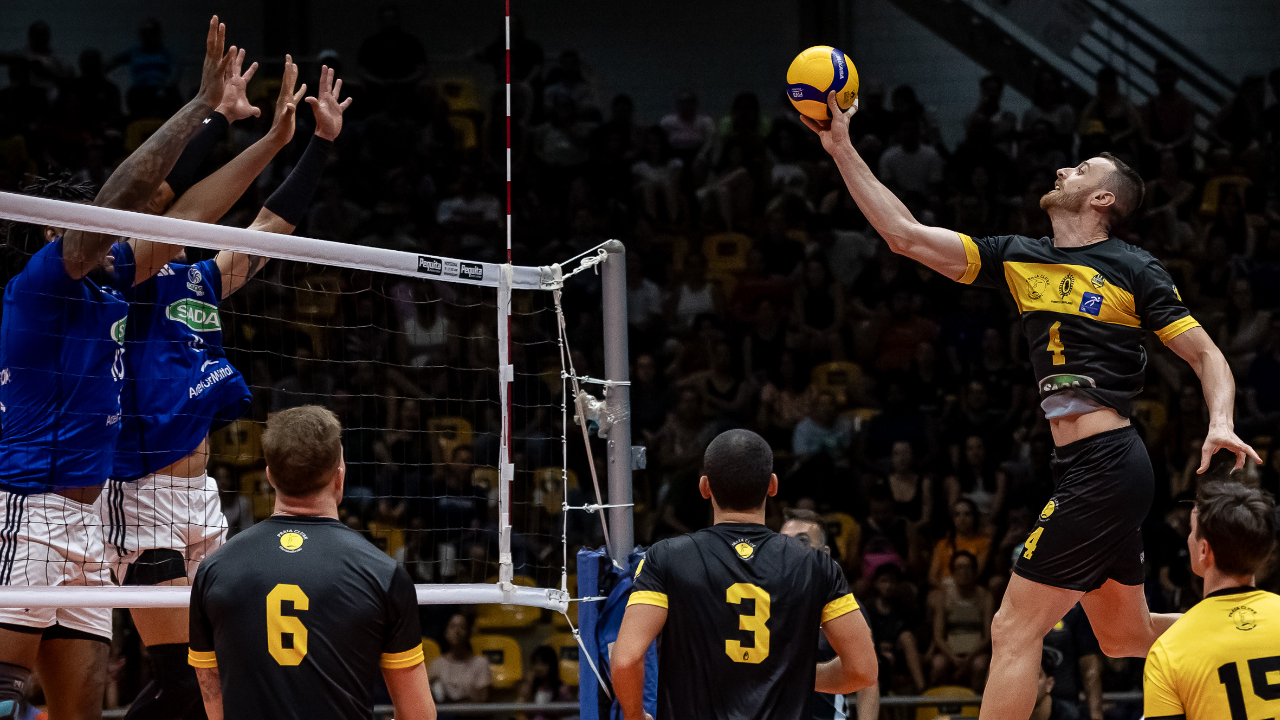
{"x": 420, "y": 356}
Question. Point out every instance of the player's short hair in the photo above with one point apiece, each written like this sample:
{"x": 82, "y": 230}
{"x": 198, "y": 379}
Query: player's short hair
{"x": 1239, "y": 522}
{"x": 738, "y": 464}
{"x": 303, "y": 446}
{"x": 812, "y": 518}
{"x": 1126, "y": 184}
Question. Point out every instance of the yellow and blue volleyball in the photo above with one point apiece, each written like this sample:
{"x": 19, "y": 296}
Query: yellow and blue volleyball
{"x": 816, "y": 72}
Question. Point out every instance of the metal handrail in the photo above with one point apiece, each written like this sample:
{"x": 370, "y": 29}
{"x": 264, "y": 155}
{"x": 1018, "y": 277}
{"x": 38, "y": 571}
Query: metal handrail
{"x": 1164, "y": 37}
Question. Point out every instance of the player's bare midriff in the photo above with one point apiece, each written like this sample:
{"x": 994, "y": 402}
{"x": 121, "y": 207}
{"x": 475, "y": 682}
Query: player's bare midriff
{"x": 1077, "y": 427}
{"x": 193, "y": 465}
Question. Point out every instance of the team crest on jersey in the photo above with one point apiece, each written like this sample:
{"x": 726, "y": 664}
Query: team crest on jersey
{"x": 744, "y": 549}
{"x": 1065, "y": 286}
{"x": 193, "y": 281}
{"x": 1098, "y": 281}
{"x": 1048, "y": 510}
{"x": 1038, "y": 285}
{"x": 1176, "y": 293}
{"x": 1091, "y": 304}
{"x": 1244, "y": 617}
{"x": 291, "y": 540}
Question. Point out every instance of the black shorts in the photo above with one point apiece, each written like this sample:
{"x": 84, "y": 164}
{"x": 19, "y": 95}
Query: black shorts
{"x": 1091, "y": 530}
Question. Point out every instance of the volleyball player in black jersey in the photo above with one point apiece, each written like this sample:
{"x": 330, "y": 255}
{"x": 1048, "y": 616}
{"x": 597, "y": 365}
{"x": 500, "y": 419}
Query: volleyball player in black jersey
{"x": 737, "y": 608}
{"x": 1086, "y": 300}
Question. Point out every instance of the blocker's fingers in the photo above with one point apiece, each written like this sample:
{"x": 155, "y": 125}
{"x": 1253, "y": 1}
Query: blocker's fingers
{"x": 337, "y": 89}
{"x": 344, "y": 104}
{"x": 1206, "y": 452}
{"x": 248, "y": 74}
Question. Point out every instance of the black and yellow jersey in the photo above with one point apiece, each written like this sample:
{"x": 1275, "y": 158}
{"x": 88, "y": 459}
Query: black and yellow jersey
{"x": 1083, "y": 309}
{"x": 298, "y": 614}
{"x": 744, "y": 605}
{"x": 1219, "y": 661}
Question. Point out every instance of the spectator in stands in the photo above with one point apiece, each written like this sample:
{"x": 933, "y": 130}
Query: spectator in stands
{"x": 47, "y": 71}
{"x": 910, "y": 167}
{"x": 1079, "y": 673}
{"x": 1244, "y": 329}
{"x": 978, "y": 479}
{"x": 310, "y": 384}
{"x": 1048, "y": 103}
{"x": 657, "y": 178}
{"x": 392, "y": 56}
{"x": 885, "y": 539}
{"x": 96, "y": 96}
{"x": 688, "y": 131}
{"x": 962, "y": 611}
{"x": 567, "y": 79}
{"x": 888, "y": 607}
{"x": 470, "y": 212}
{"x": 695, "y": 296}
{"x": 823, "y": 432}
{"x": 1111, "y": 116}
{"x": 1003, "y": 124}
{"x": 460, "y": 675}
{"x": 1169, "y": 117}
{"x": 152, "y": 69}
{"x": 966, "y": 537}
{"x": 1047, "y": 706}
{"x": 817, "y": 307}
{"x": 543, "y": 684}
{"x": 1239, "y": 124}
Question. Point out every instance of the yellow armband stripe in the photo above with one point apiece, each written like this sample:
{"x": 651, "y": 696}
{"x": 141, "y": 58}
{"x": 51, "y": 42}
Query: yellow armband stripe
{"x": 648, "y": 597}
{"x": 196, "y": 658}
{"x": 1176, "y": 328}
{"x": 406, "y": 659}
{"x": 972, "y": 259}
{"x": 840, "y": 606}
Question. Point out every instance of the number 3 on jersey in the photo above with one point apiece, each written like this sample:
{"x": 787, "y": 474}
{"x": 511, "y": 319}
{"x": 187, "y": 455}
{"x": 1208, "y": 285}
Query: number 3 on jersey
{"x": 279, "y": 625}
{"x": 756, "y": 623}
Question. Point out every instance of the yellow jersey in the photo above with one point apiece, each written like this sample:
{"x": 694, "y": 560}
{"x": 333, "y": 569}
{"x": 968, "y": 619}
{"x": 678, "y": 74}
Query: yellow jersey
{"x": 1219, "y": 661}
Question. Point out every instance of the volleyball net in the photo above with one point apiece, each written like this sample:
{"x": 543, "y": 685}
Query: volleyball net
{"x": 456, "y": 382}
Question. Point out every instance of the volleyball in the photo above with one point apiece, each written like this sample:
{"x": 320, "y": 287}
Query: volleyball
{"x": 816, "y": 72}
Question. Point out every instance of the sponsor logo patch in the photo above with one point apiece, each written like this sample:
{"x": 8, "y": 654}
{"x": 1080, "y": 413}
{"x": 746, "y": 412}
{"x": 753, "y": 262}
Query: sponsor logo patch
{"x": 199, "y": 316}
{"x": 430, "y": 265}
{"x": 118, "y": 328}
{"x": 1091, "y": 304}
{"x": 471, "y": 271}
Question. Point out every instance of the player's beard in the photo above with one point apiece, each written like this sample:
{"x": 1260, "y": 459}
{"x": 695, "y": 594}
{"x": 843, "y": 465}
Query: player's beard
{"x": 1056, "y": 198}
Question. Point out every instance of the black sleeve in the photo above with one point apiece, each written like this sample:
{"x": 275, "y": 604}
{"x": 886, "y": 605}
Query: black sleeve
{"x": 837, "y": 600}
{"x": 649, "y": 586}
{"x": 1160, "y": 304}
{"x": 984, "y": 260}
{"x": 183, "y": 174}
{"x": 402, "y": 646}
{"x": 200, "y": 629}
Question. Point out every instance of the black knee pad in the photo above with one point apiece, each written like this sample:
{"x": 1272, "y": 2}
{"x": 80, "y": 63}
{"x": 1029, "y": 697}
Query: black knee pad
{"x": 173, "y": 691}
{"x": 15, "y": 681}
{"x": 156, "y": 566}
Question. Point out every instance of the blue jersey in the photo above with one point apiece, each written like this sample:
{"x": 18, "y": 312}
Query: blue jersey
{"x": 61, "y": 373}
{"x": 179, "y": 385}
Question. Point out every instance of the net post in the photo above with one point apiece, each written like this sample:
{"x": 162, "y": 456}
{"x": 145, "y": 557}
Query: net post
{"x": 506, "y": 469}
{"x": 617, "y": 372}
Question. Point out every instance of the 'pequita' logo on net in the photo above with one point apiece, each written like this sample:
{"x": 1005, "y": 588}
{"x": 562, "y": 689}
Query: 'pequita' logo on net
{"x": 471, "y": 271}
{"x": 430, "y": 265}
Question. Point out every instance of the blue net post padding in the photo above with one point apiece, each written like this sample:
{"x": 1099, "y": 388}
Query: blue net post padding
{"x": 599, "y": 623}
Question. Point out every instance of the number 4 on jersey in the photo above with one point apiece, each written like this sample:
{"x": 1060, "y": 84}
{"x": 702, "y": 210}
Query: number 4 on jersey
{"x": 1055, "y": 344}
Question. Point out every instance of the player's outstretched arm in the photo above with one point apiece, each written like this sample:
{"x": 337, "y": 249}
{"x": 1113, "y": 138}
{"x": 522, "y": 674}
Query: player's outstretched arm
{"x": 937, "y": 248}
{"x": 640, "y": 625}
{"x": 410, "y": 692}
{"x": 855, "y": 666}
{"x": 211, "y": 691}
{"x": 211, "y": 198}
{"x": 132, "y": 184}
{"x": 284, "y": 210}
{"x": 1197, "y": 348}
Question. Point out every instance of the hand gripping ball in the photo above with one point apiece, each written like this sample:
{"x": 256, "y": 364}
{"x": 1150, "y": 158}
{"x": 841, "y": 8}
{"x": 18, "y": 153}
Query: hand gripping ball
{"x": 814, "y": 73}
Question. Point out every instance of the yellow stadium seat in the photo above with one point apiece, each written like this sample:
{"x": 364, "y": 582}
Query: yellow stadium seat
{"x": 843, "y": 533}
{"x": 430, "y": 650}
{"x": 548, "y": 481}
{"x": 238, "y": 444}
{"x": 317, "y": 298}
{"x": 843, "y": 379}
{"x": 447, "y": 433}
{"x": 567, "y": 650}
{"x": 958, "y": 709}
{"x": 388, "y": 537}
{"x": 503, "y": 654}
{"x": 252, "y": 482}
{"x": 489, "y": 617}
{"x": 485, "y": 478}
{"x": 726, "y": 252}
{"x": 1152, "y": 414}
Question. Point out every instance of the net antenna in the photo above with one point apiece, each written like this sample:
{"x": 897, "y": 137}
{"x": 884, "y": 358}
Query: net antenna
{"x": 505, "y": 279}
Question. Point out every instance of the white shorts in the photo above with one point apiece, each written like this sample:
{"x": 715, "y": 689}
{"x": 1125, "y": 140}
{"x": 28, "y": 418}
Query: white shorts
{"x": 158, "y": 512}
{"x": 50, "y": 540}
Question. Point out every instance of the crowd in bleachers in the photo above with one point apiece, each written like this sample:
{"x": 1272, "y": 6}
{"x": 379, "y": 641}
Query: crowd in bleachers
{"x": 900, "y": 404}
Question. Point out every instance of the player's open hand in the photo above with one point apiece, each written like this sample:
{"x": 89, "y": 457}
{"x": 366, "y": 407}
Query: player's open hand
{"x": 216, "y": 64}
{"x": 325, "y": 105}
{"x": 286, "y": 111}
{"x": 835, "y": 131}
{"x": 1222, "y": 438}
{"x": 235, "y": 99}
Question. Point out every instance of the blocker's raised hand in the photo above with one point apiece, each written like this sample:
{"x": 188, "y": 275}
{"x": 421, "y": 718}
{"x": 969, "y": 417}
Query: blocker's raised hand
{"x": 325, "y": 105}
{"x": 286, "y": 111}
{"x": 235, "y": 100}
{"x": 217, "y": 64}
